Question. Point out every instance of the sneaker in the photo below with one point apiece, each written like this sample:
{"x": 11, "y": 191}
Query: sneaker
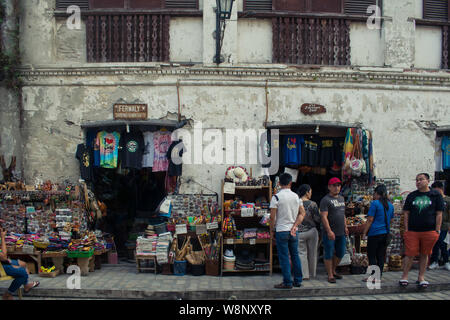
{"x": 447, "y": 266}
{"x": 433, "y": 266}
{"x": 283, "y": 286}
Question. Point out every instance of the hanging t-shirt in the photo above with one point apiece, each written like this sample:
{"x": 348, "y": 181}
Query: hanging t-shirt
{"x": 292, "y": 149}
{"x": 162, "y": 141}
{"x": 446, "y": 152}
{"x": 176, "y": 148}
{"x": 310, "y": 152}
{"x": 149, "y": 152}
{"x": 109, "y": 148}
{"x": 326, "y": 152}
{"x": 84, "y": 155}
{"x": 132, "y": 144}
{"x": 265, "y": 149}
{"x": 91, "y": 142}
{"x": 338, "y": 147}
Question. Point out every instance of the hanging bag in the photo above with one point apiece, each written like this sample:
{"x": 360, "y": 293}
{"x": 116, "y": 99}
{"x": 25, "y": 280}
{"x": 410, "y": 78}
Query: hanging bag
{"x": 356, "y": 164}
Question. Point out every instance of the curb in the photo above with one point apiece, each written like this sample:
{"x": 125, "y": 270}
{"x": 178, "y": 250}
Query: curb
{"x": 271, "y": 294}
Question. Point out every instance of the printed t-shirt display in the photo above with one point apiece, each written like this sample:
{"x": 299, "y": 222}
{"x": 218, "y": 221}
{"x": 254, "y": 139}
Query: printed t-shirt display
{"x": 91, "y": 142}
{"x": 446, "y": 152}
{"x": 292, "y": 149}
{"x": 149, "y": 152}
{"x": 84, "y": 155}
{"x": 335, "y": 206}
{"x": 326, "y": 152}
{"x": 422, "y": 207}
{"x": 162, "y": 141}
{"x": 175, "y": 168}
{"x": 132, "y": 144}
{"x": 310, "y": 152}
{"x": 109, "y": 148}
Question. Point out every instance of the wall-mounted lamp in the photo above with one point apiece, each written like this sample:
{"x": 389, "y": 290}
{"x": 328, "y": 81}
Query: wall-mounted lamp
{"x": 223, "y": 12}
{"x": 317, "y": 129}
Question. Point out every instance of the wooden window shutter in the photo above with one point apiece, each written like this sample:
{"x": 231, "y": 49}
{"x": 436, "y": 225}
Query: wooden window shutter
{"x": 258, "y": 5}
{"x": 334, "y": 6}
{"x": 64, "y": 4}
{"x": 145, "y": 4}
{"x": 290, "y": 5}
{"x": 436, "y": 9}
{"x": 181, "y": 4}
{"x": 359, "y": 7}
{"x": 106, "y": 4}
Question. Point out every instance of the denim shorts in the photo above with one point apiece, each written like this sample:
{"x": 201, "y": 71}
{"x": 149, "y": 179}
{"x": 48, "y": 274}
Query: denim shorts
{"x": 334, "y": 247}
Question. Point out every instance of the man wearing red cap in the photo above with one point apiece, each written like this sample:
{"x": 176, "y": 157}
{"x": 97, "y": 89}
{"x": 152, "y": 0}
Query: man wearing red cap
{"x": 332, "y": 212}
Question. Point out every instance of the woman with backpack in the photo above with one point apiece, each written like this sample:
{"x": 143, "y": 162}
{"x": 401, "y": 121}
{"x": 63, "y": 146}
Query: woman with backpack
{"x": 308, "y": 233}
{"x": 377, "y": 228}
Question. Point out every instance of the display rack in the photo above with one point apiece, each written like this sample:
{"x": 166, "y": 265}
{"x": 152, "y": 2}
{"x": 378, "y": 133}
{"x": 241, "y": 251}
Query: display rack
{"x": 247, "y": 194}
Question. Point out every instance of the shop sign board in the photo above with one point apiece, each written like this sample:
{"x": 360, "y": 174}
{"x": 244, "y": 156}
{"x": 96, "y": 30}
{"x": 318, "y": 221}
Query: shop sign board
{"x": 311, "y": 108}
{"x": 181, "y": 229}
{"x": 130, "y": 111}
{"x": 200, "y": 229}
{"x": 212, "y": 226}
{"x": 229, "y": 188}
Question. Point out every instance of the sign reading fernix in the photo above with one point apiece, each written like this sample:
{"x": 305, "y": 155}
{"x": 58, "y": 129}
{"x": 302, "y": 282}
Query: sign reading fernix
{"x": 130, "y": 111}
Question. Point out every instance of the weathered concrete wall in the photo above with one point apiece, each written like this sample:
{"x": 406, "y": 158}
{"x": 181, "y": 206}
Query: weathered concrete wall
{"x": 186, "y": 40}
{"x": 426, "y": 38}
{"x": 399, "y": 32}
{"x": 70, "y": 45}
{"x": 396, "y": 116}
{"x": 255, "y": 41}
{"x": 366, "y": 46}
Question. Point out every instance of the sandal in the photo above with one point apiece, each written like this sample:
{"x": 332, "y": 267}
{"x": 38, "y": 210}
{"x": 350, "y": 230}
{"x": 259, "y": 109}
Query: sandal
{"x": 423, "y": 284}
{"x": 403, "y": 283}
{"x": 35, "y": 284}
{"x": 337, "y": 276}
{"x": 332, "y": 280}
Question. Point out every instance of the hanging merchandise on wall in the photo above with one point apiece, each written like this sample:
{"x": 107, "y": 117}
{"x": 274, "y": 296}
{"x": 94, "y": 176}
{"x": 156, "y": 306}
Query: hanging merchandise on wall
{"x": 161, "y": 141}
{"x": 132, "y": 149}
{"x": 149, "y": 151}
{"x": 108, "y": 143}
{"x": 446, "y": 152}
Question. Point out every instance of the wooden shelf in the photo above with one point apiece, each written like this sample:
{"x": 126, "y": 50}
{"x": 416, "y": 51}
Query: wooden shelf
{"x": 245, "y": 241}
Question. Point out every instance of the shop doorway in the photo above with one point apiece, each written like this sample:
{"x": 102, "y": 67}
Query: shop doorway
{"x": 132, "y": 195}
{"x": 442, "y": 159}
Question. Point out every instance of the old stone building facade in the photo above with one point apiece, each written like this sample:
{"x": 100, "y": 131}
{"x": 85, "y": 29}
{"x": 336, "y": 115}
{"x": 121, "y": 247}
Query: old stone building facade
{"x": 392, "y": 80}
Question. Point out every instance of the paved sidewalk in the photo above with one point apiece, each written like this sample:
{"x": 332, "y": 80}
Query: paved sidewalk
{"x": 123, "y": 282}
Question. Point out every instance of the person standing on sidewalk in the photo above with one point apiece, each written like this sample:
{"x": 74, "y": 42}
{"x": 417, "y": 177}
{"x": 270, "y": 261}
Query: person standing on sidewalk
{"x": 377, "y": 228}
{"x": 332, "y": 212}
{"x": 286, "y": 213}
{"x": 423, "y": 216}
{"x": 445, "y": 227}
{"x": 308, "y": 234}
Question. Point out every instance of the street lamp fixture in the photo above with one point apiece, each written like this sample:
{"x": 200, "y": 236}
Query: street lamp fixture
{"x": 223, "y": 12}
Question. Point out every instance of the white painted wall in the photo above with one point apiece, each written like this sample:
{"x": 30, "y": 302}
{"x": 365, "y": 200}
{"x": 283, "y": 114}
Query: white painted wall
{"x": 186, "y": 39}
{"x": 428, "y": 53}
{"x": 255, "y": 41}
{"x": 366, "y": 46}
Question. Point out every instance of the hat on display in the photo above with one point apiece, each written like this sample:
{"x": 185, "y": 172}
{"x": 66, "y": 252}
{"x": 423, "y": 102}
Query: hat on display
{"x": 229, "y": 253}
{"x": 334, "y": 180}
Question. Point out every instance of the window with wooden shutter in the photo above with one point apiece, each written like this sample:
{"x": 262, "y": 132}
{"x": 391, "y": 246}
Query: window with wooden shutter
{"x": 289, "y": 5}
{"x": 181, "y": 4}
{"x": 436, "y": 9}
{"x": 310, "y": 6}
{"x": 257, "y": 5}
{"x": 359, "y": 7}
{"x": 145, "y": 4}
{"x": 64, "y": 4}
{"x": 334, "y": 6}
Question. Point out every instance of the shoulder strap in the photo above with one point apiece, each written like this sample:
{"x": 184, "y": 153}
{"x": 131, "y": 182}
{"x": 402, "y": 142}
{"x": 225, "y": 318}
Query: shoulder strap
{"x": 276, "y": 197}
{"x": 388, "y": 227}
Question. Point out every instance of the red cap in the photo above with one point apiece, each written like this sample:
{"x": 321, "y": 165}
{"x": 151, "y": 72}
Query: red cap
{"x": 334, "y": 181}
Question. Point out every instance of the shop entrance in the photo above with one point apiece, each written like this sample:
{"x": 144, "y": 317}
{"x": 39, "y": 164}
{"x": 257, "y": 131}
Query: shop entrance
{"x": 442, "y": 157}
{"x": 130, "y": 189}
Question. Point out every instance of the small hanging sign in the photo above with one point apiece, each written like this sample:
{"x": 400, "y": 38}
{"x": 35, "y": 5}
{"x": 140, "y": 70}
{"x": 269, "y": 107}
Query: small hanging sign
{"x": 130, "y": 111}
{"x": 311, "y": 108}
{"x": 212, "y": 226}
{"x": 200, "y": 229}
{"x": 181, "y": 229}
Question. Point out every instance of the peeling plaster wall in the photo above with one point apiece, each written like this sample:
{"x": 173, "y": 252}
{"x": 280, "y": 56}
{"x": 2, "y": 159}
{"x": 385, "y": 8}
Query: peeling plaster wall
{"x": 400, "y": 39}
{"x": 10, "y": 139}
{"x": 70, "y": 44}
{"x": 426, "y": 38}
{"x": 401, "y": 146}
{"x": 255, "y": 41}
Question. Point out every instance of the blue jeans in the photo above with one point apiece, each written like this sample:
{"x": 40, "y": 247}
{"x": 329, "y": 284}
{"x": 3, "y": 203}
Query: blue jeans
{"x": 288, "y": 245}
{"x": 335, "y": 247}
{"x": 440, "y": 245}
{"x": 20, "y": 276}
